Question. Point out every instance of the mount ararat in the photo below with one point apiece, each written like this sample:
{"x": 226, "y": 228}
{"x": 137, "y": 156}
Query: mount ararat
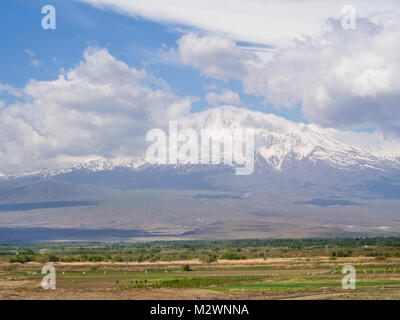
{"x": 307, "y": 182}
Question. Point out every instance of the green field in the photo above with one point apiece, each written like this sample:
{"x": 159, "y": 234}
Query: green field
{"x": 246, "y": 269}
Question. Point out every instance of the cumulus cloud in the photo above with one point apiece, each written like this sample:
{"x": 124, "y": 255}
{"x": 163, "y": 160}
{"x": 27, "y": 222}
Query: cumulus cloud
{"x": 216, "y": 57}
{"x": 101, "y": 107}
{"x": 225, "y": 97}
{"x": 5, "y": 88}
{"x": 343, "y": 78}
{"x": 211, "y": 86}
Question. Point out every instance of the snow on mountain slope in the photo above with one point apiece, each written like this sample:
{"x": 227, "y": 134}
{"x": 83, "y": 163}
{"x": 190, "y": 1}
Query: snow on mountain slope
{"x": 95, "y": 165}
{"x": 278, "y": 142}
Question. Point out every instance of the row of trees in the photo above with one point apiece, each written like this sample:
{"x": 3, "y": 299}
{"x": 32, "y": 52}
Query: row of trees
{"x": 50, "y": 257}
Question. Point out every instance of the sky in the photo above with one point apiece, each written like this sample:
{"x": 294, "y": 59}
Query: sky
{"x": 113, "y": 69}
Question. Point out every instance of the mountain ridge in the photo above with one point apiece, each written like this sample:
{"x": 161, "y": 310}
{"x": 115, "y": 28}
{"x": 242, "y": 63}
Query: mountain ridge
{"x": 278, "y": 142}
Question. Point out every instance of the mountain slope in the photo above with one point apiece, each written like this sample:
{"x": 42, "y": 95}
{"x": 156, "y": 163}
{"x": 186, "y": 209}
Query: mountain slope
{"x": 306, "y": 183}
{"x": 279, "y": 144}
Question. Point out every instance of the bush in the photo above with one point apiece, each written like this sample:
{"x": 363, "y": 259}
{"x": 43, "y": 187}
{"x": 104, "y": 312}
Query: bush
{"x": 95, "y": 258}
{"x": 19, "y": 259}
{"x": 209, "y": 258}
{"x": 203, "y": 282}
{"x": 232, "y": 256}
{"x": 341, "y": 253}
{"x": 186, "y": 268}
{"x": 52, "y": 258}
{"x": 117, "y": 258}
{"x": 154, "y": 258}
{"x": 374, "y": 254}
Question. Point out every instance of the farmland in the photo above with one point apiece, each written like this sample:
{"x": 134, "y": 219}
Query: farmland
{"x": 244, "y": 269}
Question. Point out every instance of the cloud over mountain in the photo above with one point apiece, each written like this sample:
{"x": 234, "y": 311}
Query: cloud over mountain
{"x": 225, "y": 97}
{"x": 342, "y": 78}
{"x": 101, "y": 107}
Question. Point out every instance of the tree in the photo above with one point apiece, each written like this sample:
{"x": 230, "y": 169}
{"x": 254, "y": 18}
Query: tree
{"x": 140, "y": 258}
{"x": 117, "y": 258}
{"x": 209, "y": 258}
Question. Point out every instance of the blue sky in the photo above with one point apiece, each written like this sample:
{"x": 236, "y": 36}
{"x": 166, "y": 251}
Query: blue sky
{"x": 136, "y": 41}
{"x": 114, "y": 69}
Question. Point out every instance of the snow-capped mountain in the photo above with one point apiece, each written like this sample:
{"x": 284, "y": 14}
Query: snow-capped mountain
{"x": 279, "y": 144}
{"x": 279, "y": 141}
{"x": 305, "y": 178}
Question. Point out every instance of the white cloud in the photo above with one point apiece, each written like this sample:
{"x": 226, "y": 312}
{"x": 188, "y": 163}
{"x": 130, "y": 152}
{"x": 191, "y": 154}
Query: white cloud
{"x": 223, "y": 59}
{"x": 216, "y": 57}
{"x": 35, "y": 63}
{"x": 211, "y": 86}
{"x": 275, "y": 22}
{"x": 311, "y": 135}
{"x": 104, "y": 108}
{"x": 225, "y": 97}
{"x": 344, "y": 79}
{"x": 101, "y": 107}
{"x": 10, "y": 90}
{"x": 29, "y": 52}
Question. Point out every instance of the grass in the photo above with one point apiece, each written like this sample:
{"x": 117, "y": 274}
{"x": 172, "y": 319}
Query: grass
{"x": 291, "y": 279}
{"x": 190, "y": 282}
{"x": 292, "y": 286}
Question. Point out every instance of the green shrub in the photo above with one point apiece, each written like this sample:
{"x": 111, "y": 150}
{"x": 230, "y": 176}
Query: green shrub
{"x": 203, "y": 282}
{"x": 232, "y": 256}
{"x": 20, "y": 259}
{"x": 342, "y": 253}
{"x": 117, "y": 258}
{"x": 396, "y": 255}
{"x": 209, "y": 258}
{"x": 95, "y": 258}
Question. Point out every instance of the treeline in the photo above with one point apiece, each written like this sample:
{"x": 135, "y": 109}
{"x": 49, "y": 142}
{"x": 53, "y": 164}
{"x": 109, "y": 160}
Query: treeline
{"x": 206, "y": 251}
{"x": 49, "y": 257}
{"x": 44, "y": 258}
{"x": 196, "y": 245}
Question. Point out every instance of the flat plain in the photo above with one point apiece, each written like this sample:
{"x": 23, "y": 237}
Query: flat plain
{"x": 285, "y": 273}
